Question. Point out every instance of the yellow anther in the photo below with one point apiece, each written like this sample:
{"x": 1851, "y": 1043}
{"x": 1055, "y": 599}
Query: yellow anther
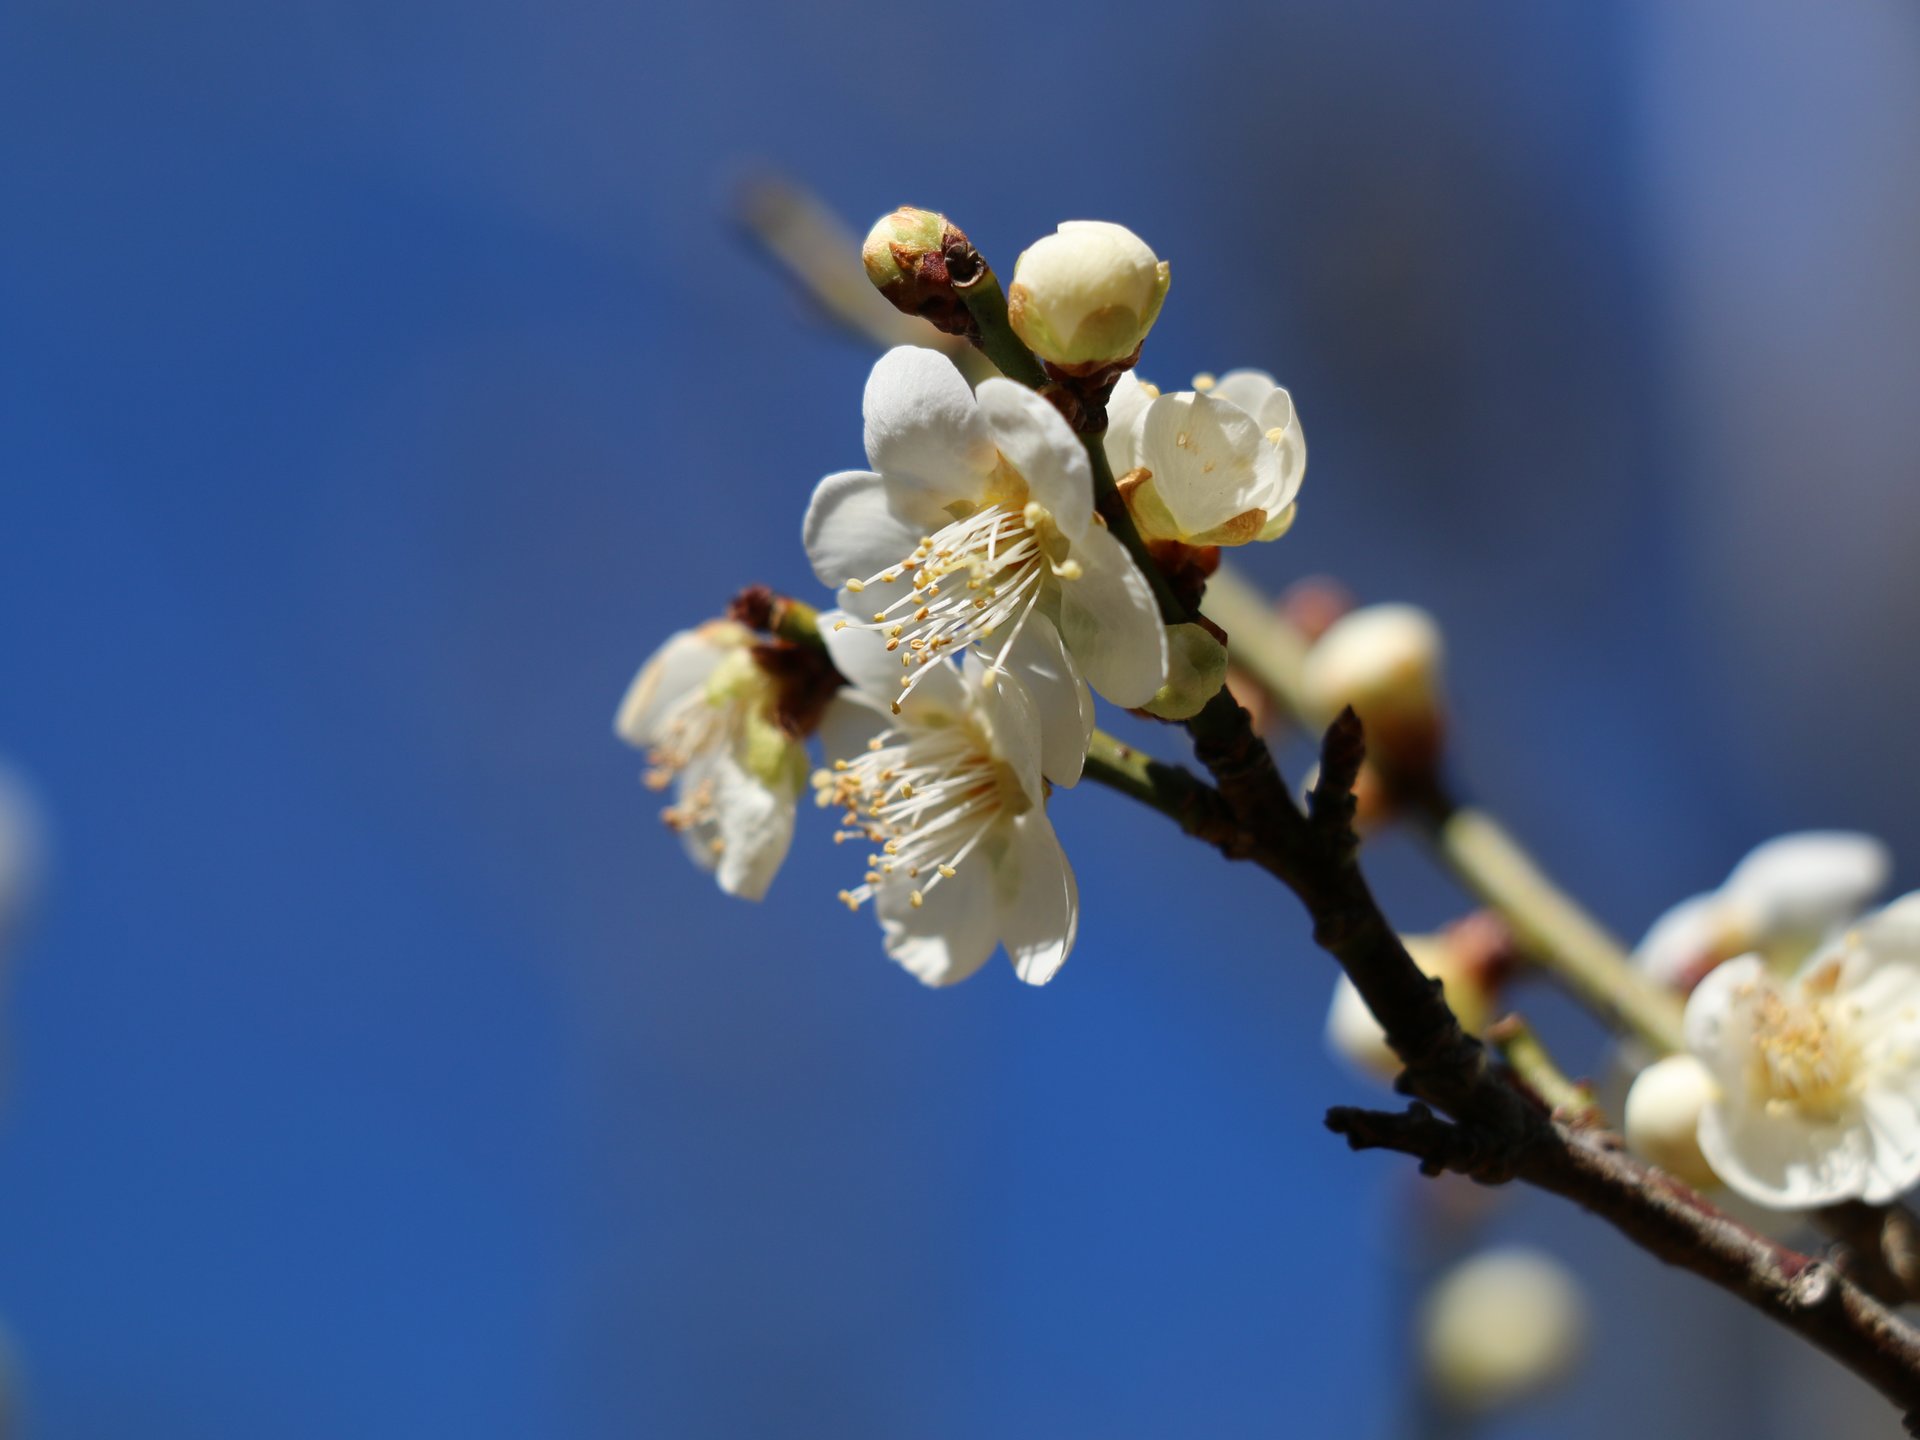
{"x": 1204, "y": 382}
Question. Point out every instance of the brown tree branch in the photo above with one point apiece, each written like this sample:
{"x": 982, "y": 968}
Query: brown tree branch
{"x": 1674, "y": 1224}
{"x": 1498, "y": 1131}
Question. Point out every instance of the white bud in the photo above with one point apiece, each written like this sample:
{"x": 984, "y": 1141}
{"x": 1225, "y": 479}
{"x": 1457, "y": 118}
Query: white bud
{"x": 1663, "y": 1117}
{"x": 1353, "y": 1033}
{"x": 1502, "y": 1326}
{"x": 1384, "y": 661}
{"x": 1087, "y": 294}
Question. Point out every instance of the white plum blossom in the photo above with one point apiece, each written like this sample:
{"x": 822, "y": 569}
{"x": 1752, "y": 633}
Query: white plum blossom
{"x": 1784, "y": 899}
{"x": 975, "y": 529}
{"x": 945, "y": 789}
{"x": 703, "y": 710}
{"x": 1222, "y": 462}
{"x": 1817, "y": 1078}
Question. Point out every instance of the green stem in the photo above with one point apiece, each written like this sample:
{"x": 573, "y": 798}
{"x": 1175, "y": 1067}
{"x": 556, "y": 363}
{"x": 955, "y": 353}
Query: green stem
{"x": 1527, "y": 1057}
{"x": 1550, "y": 926}
{"x": 987, "y": 303}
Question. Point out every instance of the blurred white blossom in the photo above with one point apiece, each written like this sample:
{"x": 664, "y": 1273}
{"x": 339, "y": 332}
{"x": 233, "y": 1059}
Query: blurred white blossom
{"x": 703, "y": 710}
{"x": 1781, "y": 901}
{"x": 1502, "y": 1326}
{"x": 1817, "y": 1078}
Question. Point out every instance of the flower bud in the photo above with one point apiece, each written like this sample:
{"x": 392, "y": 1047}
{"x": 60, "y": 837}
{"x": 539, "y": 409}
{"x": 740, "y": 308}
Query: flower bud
{"x": 906, "y": 255}
{"x": 1384, "y": 661}
{"x": 1663, "y": 1117}
{"x": 1086, "y": 295}
{"x": 1196, "y": 669}
{"x": 1356, "y": 1036}
{"x": 1501, "y": 1327}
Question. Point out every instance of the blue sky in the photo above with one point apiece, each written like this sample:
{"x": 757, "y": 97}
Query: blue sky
{"x": 378, "y": 385}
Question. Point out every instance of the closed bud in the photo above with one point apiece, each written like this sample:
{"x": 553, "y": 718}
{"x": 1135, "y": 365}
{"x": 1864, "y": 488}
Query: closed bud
{"x": 1663, "y": 1113}
{"x": 1196, "y": 669}
{"x": 907, "y": 256}
{"x": 1384, "y": 661}
{"x": 1501, "y": 1327}
{"x": 1085, "y": 296}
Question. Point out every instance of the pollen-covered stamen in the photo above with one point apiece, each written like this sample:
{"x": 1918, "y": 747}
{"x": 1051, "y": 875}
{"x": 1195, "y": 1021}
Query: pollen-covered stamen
{"x": 1801, "y": 1057}
{"x": 974, "y": 579}
{"x": 923, "y": 798}
{"x": 698, "y": 727}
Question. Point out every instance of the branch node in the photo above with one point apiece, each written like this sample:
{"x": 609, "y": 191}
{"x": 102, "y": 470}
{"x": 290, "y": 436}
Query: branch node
{"x": 1331, "y": 803}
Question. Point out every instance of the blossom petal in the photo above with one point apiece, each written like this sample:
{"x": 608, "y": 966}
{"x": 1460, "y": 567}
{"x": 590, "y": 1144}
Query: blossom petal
{"x": 754, "y": 824}
{"x": 1043, "y": 448}
{"x": 1264, "y": 398}
{"x": 864, "y": 662}
{"x": 1126, "y": 407}
{"x": 947, "y": 937}
{"x": 850, "y": 720}
{"x": 1210, "y": 461}
{"x": 1891, "y": 1114}
{"x": 1111, "y": 622}
{"x": 1001, "y": 700}
{"x": 1060, "y": 698}
{"x": 1249, "y": 389}
{"x": 1893, "y": 933}
{"x": 1717, "y": 1024}
{"x": 673, "y": 672}
{"x": 1039, "y": 900}
{"x": 1785, "y": 1160}
{"x": 854, "y": 528}
{"x": 923, "y": 429}
{"x": 1810, "y": 883}
{"x": 1682, "y": 943}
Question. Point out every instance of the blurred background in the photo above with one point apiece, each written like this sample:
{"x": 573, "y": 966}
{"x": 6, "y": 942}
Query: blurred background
{"x": 380, "y": 383}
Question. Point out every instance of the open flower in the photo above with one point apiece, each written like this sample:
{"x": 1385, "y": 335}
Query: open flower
{"x": 703, "y": 710}
{"x": 975, "y": 528}
{"x": 945, "y": 788}
{"x": 1817, "y": 1078}
{"x": 1216, "y": 465}
{"x": 1783, "y": 900}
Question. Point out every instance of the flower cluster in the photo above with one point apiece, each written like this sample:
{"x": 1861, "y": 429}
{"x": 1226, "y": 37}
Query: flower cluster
{"x": 983, "y": 600}
{"x": 1799, "y": 1085}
